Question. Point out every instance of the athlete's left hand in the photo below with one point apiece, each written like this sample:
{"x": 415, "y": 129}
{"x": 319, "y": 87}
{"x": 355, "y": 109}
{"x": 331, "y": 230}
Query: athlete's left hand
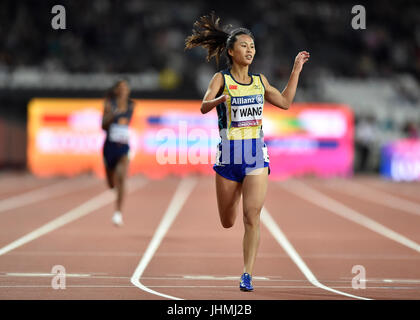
{"x": 300, "y": 60}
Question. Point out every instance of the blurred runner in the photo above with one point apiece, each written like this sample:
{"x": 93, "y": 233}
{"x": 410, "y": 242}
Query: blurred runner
{"x": 118, "y": 111}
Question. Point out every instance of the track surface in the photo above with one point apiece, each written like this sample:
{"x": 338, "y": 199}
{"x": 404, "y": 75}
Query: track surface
{"x": 172, "y": 238}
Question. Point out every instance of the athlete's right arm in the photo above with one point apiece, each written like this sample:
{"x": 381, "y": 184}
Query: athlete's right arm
{"x": 210, "y": 100}
{"x": 108, "y": 116}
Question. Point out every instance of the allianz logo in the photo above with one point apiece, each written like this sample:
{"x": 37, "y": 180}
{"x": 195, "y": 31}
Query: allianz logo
{"x": 254, "y": 99}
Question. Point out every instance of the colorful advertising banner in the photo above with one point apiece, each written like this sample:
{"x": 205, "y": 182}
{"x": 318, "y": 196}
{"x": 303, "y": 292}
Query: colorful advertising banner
{"x": 173, "y": 137}
{"x": 400, "y": 160}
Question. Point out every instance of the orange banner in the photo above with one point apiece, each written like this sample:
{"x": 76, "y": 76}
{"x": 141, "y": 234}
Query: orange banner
{"x": 65, "y": 137}
{"x": 173, "y": 137}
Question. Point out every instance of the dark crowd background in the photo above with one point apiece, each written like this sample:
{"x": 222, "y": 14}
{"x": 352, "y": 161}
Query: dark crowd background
{"x": 143, "y": 40}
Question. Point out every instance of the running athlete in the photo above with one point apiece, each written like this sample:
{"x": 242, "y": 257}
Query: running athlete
{"x": 118, "y": 111}
{"x": 242, "y": 163}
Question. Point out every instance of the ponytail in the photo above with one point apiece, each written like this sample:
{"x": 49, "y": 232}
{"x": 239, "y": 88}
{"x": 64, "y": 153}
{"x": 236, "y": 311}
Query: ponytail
{"x": 208, "y": 34}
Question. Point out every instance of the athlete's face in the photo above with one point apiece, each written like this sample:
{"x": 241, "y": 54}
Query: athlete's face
{"x": 243, "y": 51}
{"x": 123, "y": 89}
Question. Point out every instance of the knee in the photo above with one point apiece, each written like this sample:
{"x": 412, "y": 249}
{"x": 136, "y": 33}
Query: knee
{"x": 227, "y": 221}
{"x": 110, "y": 182}
{"x": 119, "y": 181}
{"x": 227, "y": 217}
{"x": 227, "y": 224}
{"x": 252, "y": 218}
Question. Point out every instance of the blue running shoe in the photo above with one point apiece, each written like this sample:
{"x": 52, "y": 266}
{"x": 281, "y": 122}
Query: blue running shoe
{"x": 246, "y": 282}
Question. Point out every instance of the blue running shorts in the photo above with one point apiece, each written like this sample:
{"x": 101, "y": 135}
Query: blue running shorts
{"x": 237, "y": 158}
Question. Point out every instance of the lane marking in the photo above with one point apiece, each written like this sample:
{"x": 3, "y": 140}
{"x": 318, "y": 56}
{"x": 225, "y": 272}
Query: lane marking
{"x": 379, "y": 280}
{"x": 43, "y": 193}
{"x": 376, "y": 196}
{"x": 310, "y": 194}
{"x": 38, "y": 274}
{"x": 289, "y": 287}
{"x": 178, "y": 278}
{"x": 397, "y": 187}
{"x": 84, "y": 209}
{"x": 189, "y": 278}
{"x": 281, "y": 238}
{"x": 205, "y": 277}
{"x": 261, "y": 255}
{"x": 182, "y": 193}
{"x": 387, "y": 287}
{"x": 14, "y": 182}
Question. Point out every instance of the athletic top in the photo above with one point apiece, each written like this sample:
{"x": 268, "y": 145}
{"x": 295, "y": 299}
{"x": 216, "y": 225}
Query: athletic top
{"x": 118, "y": 130}
{"x": 240, "y": 116}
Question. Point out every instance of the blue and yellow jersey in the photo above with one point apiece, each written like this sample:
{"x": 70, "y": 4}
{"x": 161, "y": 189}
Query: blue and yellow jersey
{"x": 118, "y": 130}
{"x": 240, "y": 116}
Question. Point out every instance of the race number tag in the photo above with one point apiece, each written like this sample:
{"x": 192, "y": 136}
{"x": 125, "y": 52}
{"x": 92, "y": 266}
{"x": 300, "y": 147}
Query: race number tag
{"x": 119, "y": 133}
{"x": 246, "y": 111}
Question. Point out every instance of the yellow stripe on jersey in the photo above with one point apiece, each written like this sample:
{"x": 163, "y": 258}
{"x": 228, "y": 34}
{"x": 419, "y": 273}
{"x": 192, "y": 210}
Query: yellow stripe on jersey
{"x": 243, "y": 108}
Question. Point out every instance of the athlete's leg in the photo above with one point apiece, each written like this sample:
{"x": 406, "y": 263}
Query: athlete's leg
{"x": 254, "y": 189}
{"x": 109, "y": 168}
{"x": 110, "y": 177}
{"x": 120, "y": 174}
{"x": 228, "y": 194}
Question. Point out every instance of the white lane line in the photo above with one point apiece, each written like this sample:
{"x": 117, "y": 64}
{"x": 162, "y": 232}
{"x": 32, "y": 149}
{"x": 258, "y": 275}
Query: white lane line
{"x": 303, "y": 191}
{"x": 182, "y": 193}
{"x": 43, "y": 193}
{"x": 84, "y": 209}
{"x": 209, "y": 277}
{"x": 405, "y": 188}
{"x": 261, "y": 255}
{"x": 281, "y": 238}
{"x": 379, "y": 280}
{"x": 376, "y": 196}
{"x": 386, "y": 287}
{"x": 13, "y": 182}
{"x": 39, "y": 274}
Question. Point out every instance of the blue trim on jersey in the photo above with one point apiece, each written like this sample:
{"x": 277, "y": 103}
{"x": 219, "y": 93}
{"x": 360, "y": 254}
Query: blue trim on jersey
{"x": 221, "y": 108}
{"x": 242, "y": 84}
{"x": 222, "y": 122}
{"x": 259, "y": 75}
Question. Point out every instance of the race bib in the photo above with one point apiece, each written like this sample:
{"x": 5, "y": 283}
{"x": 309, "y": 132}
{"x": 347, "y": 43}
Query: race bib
{"x": 246, "y": 111}
{"x": 119, "y": 133}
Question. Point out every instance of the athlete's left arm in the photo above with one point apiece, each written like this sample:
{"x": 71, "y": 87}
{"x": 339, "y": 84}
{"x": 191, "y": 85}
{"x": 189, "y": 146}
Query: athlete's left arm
{"x": 284, "y": 99}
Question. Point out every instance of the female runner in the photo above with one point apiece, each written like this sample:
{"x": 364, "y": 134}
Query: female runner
{"x": 242, "y": 163}
{"x": 117, "y": 115}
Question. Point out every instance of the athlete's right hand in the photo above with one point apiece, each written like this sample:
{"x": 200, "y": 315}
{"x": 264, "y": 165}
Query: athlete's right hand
{"x": 223, "y": 98}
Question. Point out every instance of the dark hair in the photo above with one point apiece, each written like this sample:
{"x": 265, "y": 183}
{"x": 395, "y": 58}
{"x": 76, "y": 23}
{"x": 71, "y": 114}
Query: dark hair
{"x": 208, "y": 34}
{"x": 110, "y": 94}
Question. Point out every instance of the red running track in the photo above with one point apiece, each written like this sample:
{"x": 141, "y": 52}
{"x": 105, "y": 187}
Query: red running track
{"x": 318, "y": 231}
